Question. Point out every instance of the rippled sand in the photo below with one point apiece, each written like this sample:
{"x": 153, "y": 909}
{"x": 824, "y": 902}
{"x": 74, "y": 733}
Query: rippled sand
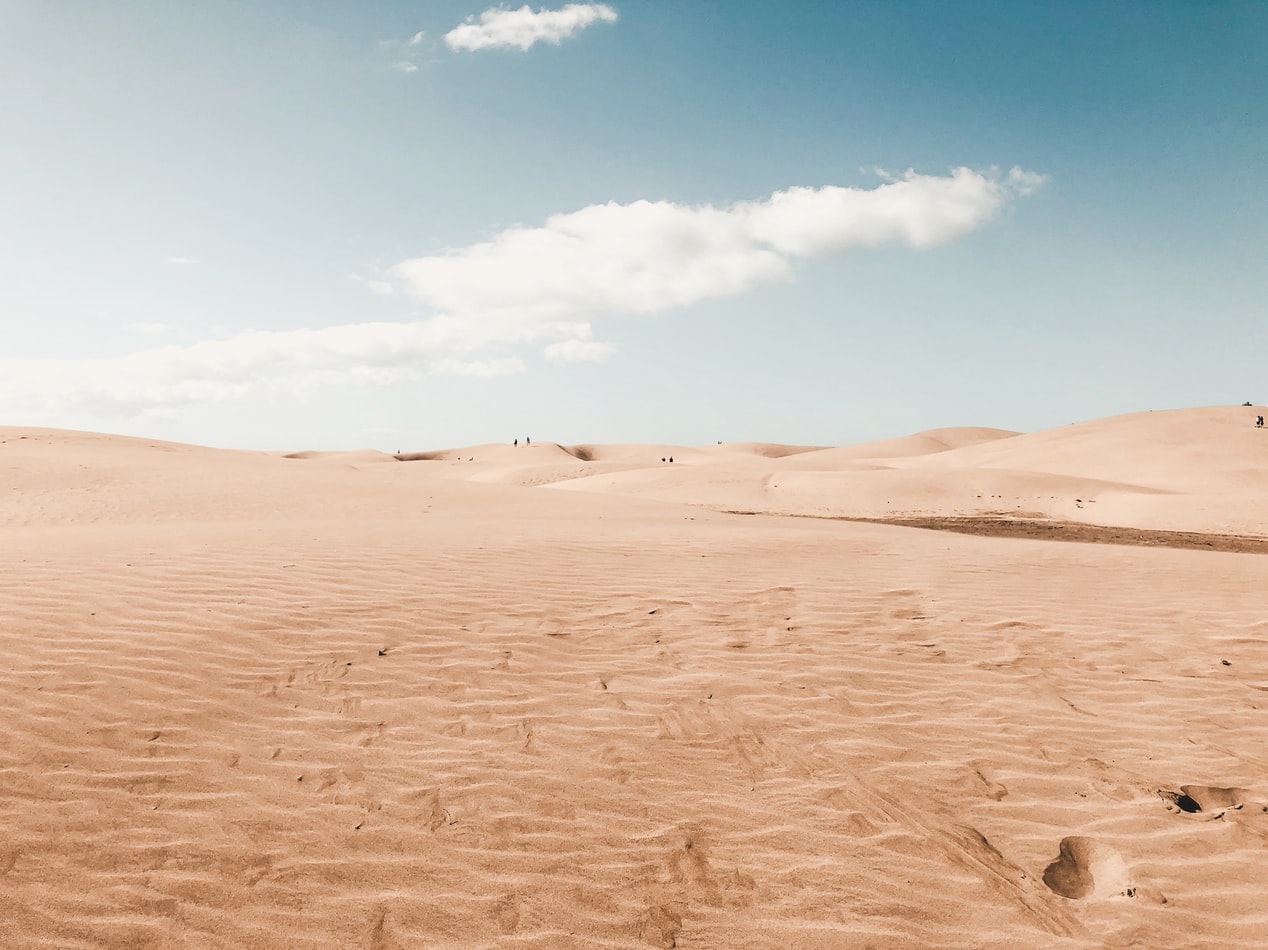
{"x": 566, "y": 696}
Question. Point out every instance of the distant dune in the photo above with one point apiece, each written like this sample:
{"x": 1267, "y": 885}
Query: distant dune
{"x": 1183, "y": 470}
{"x": 574, "y": 696}
{"x": 920, "y": 444}
{"x": 1197, "y": 450}
{"x": 766, "y": 450}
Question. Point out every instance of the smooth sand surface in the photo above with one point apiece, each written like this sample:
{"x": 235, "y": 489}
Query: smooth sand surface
{"x": 570, "y": 696}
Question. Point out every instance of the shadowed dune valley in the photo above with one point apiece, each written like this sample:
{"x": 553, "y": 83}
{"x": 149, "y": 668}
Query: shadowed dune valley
{"x": 968, "y": 688}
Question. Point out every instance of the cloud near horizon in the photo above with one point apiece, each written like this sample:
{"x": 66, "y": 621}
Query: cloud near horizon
{"x": 532, "y": 285}
{"x": 288, "y": 362}
{"x": 503, "y": 28}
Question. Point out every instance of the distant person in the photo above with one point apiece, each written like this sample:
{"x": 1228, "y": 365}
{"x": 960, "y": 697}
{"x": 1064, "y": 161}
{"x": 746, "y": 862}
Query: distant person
{"x": 671, "y": 460}
{"x": 516, "y": 443}
{"x": 527, "y": 440}
{"x": 1259, "y": 421}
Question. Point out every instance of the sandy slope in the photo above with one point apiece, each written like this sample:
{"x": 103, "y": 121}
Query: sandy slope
{"x": 344, "y": 701}
{"x": 1186, "y": 470}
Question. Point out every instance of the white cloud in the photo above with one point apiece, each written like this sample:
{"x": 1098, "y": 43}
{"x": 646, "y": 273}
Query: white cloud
{"x": 579, "y": 351}
{"x": 405, "y": 67}
{"x": 502, "y": 28}
{"x": 650, "y": 256}
{"x": 417, "y": 38}
{"x": 1024, "y": 182}
{"x": 528, "y": 285}
{"x": 259, "y": 361}
{"x": 576, "y": 345}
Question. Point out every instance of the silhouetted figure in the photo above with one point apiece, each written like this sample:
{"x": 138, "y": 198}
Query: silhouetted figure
{"x": 671, "y": 459}
{"x": 1259, "y": 421}
{"x": 516, "y": 443}
{"x": 527, "y": 440}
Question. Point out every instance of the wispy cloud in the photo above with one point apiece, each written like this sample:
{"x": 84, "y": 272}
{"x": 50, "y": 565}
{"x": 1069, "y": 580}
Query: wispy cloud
{"x": 579, "y": 348}
{"x": 380, "y": 287}
{"x": 279, "y": 362}
{"x": 541, "y": 286}
{"x": 405, "y": 53}
{"x": 502, "y": 28}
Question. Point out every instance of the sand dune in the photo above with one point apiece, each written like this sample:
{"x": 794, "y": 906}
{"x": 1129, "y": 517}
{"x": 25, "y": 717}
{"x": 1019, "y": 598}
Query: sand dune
{"x": 1198, "y": 450}
{"x": 557, "y": 696}
{"x": 933, "y": 442}
{"x": 1183, "y": 470}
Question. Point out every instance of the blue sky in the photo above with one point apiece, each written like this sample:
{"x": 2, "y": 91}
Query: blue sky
{"x": 393, "y": 225}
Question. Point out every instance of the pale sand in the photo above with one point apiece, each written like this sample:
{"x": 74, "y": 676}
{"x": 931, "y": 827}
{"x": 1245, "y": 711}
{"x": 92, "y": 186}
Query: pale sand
{"x": 556, "y": 697}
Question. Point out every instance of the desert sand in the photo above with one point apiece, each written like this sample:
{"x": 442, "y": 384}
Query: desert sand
{"x": 573, "y": 696}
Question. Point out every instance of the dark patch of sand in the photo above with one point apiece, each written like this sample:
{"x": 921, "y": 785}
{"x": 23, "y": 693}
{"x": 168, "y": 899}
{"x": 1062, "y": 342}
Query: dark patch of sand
{"x": 1084, "y": 533}
{"x": 1072, "y": 531}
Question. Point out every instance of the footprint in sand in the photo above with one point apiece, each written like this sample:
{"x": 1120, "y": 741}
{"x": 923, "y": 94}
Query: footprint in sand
{"x": 659, "y": 926}
{"x": 1087, "y": 869}
{"x": 989, "y": 786}
{"x": 507, "y": 914}
{"x": 379, "y": 937}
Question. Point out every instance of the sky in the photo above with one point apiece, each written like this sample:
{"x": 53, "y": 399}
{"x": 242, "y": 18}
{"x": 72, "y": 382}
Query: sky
{"x": 408, "y": 226}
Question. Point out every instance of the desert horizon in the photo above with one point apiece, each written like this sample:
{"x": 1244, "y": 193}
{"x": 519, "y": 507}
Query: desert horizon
{"x": 596, "y": 477}
{"x": 964, "y": 688}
